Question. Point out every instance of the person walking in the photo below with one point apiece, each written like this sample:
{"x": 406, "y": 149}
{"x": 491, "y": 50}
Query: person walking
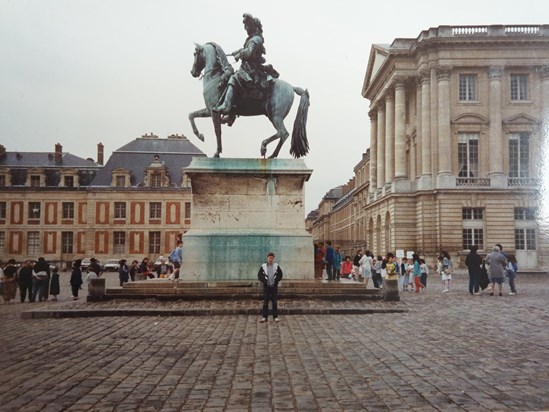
{"x": 497, "y": 262}
{"x": 416, "y": 273}
{"x": 424, "y": 272}
{"x": 134, "y": 269}
{"x": 365, "y": 263}
{"x": 176, "y": 258}
{"x": 474, "y": 262}
{"x": 337, "y": 262}
{"x": 446, "y": 270}
{"x": 24, "y": 279}
{"x": 512, "y": 268}
{"x": 329, "y": 259}
{"x": 270, "y": 274}
{"x": 123, "y": 272}
{"x": 319, "y": 253}
{"x": 76, "y": 278}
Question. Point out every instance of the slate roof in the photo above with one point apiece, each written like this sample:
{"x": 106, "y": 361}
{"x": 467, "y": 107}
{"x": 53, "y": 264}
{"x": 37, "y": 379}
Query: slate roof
{"x": 45, "y": 160}
{"x": 174, "y": 152}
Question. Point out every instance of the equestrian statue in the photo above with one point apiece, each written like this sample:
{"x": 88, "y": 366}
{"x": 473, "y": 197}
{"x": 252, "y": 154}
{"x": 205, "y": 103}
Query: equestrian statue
{"x": 253, "y": 90}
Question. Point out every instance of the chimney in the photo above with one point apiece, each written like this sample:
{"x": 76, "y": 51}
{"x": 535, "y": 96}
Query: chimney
{"x": 100, "y": 156}
{"x": 58, "y": 151}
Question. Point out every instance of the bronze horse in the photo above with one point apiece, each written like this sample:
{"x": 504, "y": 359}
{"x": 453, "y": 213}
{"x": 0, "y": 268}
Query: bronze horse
{"x": 211, "y": 59}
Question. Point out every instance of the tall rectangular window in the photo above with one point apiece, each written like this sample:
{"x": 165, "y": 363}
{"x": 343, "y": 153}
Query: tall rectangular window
{"x": 119, "y": 243}
{"x": 68, "y": 210}
{"x": 120, "y": 210}
{"x": 187, "y": 210}
{"x": 154, "y": 243}
{"x": 468, "y": 154}
{"x": 34, "y": 210}
{"x": 33, "y": 244}
{"x": 155, "y": 210}
{"x": 473, "y": 227}
{"x": 3, "y": 210}
{"x": 519, "y": 151}
{"x": 519, "y": 87}
{"x": 467, "y": 87}
{"x": 2, "y": 242}
{"x": 525, "y": 213}
{"x": 67, "y": 242}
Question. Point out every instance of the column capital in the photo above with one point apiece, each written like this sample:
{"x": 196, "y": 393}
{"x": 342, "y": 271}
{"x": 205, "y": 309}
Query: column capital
{"x": 424, "y": 76}
{"x": 544, "y": 72}
{"x": 495, "y": 72}
{"x": 372, "y": 114}
{"x": 443, "y": 72}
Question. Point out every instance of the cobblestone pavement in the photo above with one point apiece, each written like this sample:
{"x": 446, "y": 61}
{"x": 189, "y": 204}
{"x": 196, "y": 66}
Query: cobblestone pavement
{"x": 449, "y": 352}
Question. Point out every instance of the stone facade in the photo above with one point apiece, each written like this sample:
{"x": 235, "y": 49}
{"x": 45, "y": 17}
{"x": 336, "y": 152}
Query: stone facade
{"x": 457, "y": 119}
{"x": 64, "y": 207}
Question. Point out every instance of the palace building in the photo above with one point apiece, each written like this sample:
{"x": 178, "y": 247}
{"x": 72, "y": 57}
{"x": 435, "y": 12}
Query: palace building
{"x": 458, "y": 147}
{"x": 63, "y": 207}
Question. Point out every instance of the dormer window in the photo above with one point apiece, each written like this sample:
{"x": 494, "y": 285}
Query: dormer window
{"x": 68, "y": 181}
{"x": 120, "y": 178}
{"x": 156, "y": 180}
{"x": 35, "y": 181}
{"x": 2, "y": 181}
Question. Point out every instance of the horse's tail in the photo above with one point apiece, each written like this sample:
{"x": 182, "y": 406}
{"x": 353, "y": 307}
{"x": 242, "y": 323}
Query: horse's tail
{"x": 300, "y": 144}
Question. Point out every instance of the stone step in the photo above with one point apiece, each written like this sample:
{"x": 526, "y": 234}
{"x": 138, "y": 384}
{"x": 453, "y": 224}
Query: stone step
{"x": 163, "y": 289}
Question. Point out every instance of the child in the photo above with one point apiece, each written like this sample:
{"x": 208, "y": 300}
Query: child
{"x": 446, "y": 270}
{"x": 416, "y": 271}
{"x": 390, "y": 267}
{"x": 424, "y": 272}
{"x": 404, "y": 274}
{"x": 347, "y": 268}
{"x": 511, "y": 271}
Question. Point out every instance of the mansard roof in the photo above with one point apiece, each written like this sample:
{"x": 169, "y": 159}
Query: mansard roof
{"x": 174, "y": 152}
{"x": 45, "y": 160}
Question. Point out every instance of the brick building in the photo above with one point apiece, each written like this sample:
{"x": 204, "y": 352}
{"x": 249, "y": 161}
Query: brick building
{"x": 63, "y": 207}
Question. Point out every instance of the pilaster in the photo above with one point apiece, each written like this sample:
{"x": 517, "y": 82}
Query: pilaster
{"x": 373, "y": 150}
{"x": 380, "y": 145}
{"x": 389, "y": 136}
{"x": 496, "y": 139}
{"x": 444, "y": 142}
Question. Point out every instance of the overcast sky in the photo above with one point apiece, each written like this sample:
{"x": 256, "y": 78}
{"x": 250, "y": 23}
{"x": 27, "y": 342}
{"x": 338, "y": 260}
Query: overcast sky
{"x": 83, "y": 72}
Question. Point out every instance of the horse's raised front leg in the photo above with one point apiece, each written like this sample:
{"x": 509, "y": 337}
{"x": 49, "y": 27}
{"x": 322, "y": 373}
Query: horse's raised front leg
{"x": 281, "y": 133}
{"x": 199, "y": 113}
{"x": 216, "y": 118}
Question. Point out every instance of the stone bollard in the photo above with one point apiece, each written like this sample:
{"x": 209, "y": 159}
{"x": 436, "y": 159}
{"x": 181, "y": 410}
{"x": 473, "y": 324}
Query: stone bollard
{"x": 390, "y": 289}
{"x": 96, "y": 289}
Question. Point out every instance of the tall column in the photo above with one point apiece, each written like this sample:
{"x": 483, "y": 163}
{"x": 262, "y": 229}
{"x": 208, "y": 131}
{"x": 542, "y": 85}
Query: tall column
{"x": 389, "y": 137}
{"x": 373, "y": 150}
{"x": 496, "y": 146}
{"x": 444, "y": 139}
{"x": 425, "y": 123}
{"x": 380, "y": 144}
{"x": 434, "y": 120}
{"x": 400, "y": 130}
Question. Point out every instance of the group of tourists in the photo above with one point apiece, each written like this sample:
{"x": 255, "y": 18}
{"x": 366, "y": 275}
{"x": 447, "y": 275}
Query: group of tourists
{"x": 35, "y": 280}
{"x": 412, "y": 271}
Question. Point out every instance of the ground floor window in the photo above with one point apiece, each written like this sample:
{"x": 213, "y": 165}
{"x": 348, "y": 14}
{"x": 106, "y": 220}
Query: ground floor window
{"x": 525, "y": 239}
{"x": 473, "y": 237}
{"x": 33, "y": 244}
{"x": 154, "y": 243}
{"x": 67, "y": 242}
{"x": 119, "y": 243}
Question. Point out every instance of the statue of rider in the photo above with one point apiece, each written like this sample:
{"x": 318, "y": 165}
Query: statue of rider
{"x": 252, "y": 72}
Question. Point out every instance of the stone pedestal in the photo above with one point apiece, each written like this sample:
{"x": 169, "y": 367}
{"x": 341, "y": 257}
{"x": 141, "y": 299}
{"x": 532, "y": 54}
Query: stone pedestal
{"x": 96, "y": 289}
{"x": 390, "y": 289}
{"x": 242, "y": 209}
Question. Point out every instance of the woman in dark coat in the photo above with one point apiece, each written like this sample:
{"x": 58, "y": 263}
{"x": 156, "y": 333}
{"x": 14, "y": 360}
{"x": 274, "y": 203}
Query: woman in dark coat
{"x": 473, "y": 262}
{"x": 55, "y": 288}
{"x": 76, "y": 278}
{"x": 123, "y": 272}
